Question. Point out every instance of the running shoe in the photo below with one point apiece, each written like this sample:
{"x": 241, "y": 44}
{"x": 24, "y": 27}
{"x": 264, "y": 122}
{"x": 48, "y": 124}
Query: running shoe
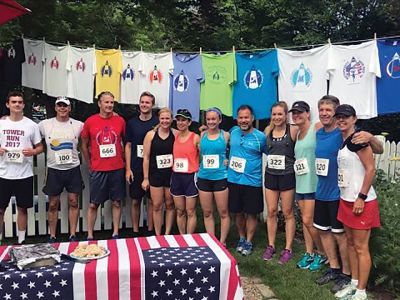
{"x": 286, "y": 255}
{"x": 346, "y": 293}
{"x": 247, "y": 248}
{"x": 52, "y": 239}
{"x": 268, "y": 253}
{"x": 318, "y": 262}
{"x": 115, "y": 237}
{"x": 360, "y": 296}
{"x": 341, "y": 281}
{"x": 328, "y": 276}
{"x": 240, "y": 244}
{"x": 73, "y": 238}
{"x": 305, "y": 261}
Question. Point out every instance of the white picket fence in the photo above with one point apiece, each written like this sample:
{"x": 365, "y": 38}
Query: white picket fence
{"x": 389, "y": 161}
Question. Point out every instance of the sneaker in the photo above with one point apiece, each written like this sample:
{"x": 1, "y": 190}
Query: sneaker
{"x": 52, "y": 239}
{"x": 240, "y": 244}
{"x": 341, "y": 281}
{"x": 328, "y": 276}
{"x": 73, "y": 238}
{"x": 286, "y": 255}
{"x": 268, "y": 253}
{"x": 318, "y": 262}
{"x": 346, "y": 293}
{"x": 247, "y": 248}
{"x": 115, "y": 237}
{"x": 359, "y": 296}
{"x": 305, "y": 261}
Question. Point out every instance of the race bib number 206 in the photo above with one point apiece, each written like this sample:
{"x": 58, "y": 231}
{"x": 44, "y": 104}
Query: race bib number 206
{"x": 237, "y": 164}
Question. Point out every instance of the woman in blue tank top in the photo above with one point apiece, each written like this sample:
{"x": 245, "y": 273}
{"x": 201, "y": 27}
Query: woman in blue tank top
{"x": 212, "y": 175}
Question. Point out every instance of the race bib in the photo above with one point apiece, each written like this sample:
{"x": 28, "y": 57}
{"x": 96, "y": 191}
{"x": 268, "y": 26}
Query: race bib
{"x": 63, "y": 157}
{"x": 139, "y": 151}
{"x": 322, "y": 166}
{"x": 107, "y": 151}
{"x": 301, "y": 166}
{"x": 237, "y": 164}
{"x": 14, "y": 156}
{"x": 276, "y": 162}
{"x": 343, "y": 180}
{"x": 211, "y": 161}
{"x": 164, "y": 161}
{"x": 181, "y": 165}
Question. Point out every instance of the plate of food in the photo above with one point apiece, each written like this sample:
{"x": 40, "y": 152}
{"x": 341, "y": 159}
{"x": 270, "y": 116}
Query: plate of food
{"x": 89, "y": 252}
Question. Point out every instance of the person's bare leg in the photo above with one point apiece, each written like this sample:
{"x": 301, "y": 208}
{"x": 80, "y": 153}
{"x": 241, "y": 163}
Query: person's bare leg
{"x": 307, "y": 215}
{"x": 341, "y": 240}
{"x": 180, "y": 207}
{"x": 91, "y": 218}
{"x": 73, "y": 212}
{"x": 191, "y": 214}
{"x": 52, "y": 215}
{"x": 352, "y": 253}
{"x": 22, "y": 218}
{"x": 329, "y": 245}
{"x": 157, "y": 196}
{"x": 206, "y": 202}
{"x": 240, "y": 222}
{"x": 272, "y": 198}
{"x": 135, "y": 215}
{"x": 361, "y": 239}
{"x": 116, "y": 214}
{"x": 2, "y": 211}
{"x": 290, "y": 222}
{"x": 221, "y": 201}
{"x": 251, "y": 226}
{"x": 150, "y": 224}
{"x": 169, "y": 211}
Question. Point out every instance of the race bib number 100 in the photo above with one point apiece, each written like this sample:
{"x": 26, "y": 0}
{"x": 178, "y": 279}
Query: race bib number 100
{"x": 63, "y": 157}
{"x": 237, "y": 164}
{"x": 14, "y": 156}
{"x": 107, "y": 151}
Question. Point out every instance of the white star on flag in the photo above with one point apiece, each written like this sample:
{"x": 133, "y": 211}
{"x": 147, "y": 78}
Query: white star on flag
{"x": 31, "y": 284}
{"x": 15, "y": 285}
{"x": 40, "y": 295}
{"x": 24, "y": 296}
{"x": 47, "y": 283}
{"x": 63, "y": 282}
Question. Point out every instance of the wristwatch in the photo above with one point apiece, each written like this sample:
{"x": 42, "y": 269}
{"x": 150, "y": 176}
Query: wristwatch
{"x": 362, "y": 196}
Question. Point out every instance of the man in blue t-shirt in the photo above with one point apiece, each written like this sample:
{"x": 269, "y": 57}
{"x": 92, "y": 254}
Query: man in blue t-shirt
{"x": 245, "y": 177}
{"x": 136, "y": 130}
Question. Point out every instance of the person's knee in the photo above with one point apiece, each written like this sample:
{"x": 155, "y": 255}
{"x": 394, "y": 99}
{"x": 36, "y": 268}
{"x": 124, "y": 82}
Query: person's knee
{"x": 307, "y": 221}
{"x": 22, "y": 210}
{"x": 53, "y": 206}
{"x": 93, "y": 206}
{"x": 116, "y": 204}
{"x": 136, "y": 204}
{"x": 157, "y": 207}
{"x": 208, "y": 214}
{"x": 169, "y": 205}
{"x": 224, "y": 214}
{"x": 191, "y": 213}
{"x": 73, "y": 203}
{"x": 272, "y": 212}
{"x": 288, "y": 213}
{"x": 180, "y": 212}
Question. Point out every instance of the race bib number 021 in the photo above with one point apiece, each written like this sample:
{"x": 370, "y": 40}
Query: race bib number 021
{"x": 164, "y": 161}
{"x": 322, "y": 166}
{"x": 14, "y": 156}
{"x": 276, "y": 162}
{"x": 237, "y": 164}
{"x": 107, "y": 151}
{"x": 211, "y": 161}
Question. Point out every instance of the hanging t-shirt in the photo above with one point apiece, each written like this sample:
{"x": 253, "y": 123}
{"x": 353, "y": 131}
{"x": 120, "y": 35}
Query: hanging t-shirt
{"x": 353, "y": 72}
{"x": 108, "y": 71}
{"x": 11, "y": 62}
{"x": 32, "y": 68}
{"x": 81, "y": 66}
{"x": 388, "y": 86}
{"x": 130, "y": 78}
{"x": 256, "y": 86}
{"x": 303, "y": 76}
{"x": 188, "y": 73}
{"x": 55, "y": 70}
{"x": 219, "y": 77}
{"x": 156, "y": 70}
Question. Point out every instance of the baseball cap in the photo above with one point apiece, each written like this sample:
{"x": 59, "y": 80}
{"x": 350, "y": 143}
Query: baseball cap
{"x": 345, "y": 110}
{"x": 64, "y": 100}
{"x": 300, "y": 106}
{"x": 183, "y": 113}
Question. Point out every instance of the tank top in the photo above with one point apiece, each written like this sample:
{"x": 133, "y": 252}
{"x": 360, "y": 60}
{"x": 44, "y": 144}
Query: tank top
{"x": 186, "y": 155}
{"x": 306, "y": 177}
{"x": 212, "y": 156}
{"x": 161, "y": 158}
{"x": 280, "y": 154}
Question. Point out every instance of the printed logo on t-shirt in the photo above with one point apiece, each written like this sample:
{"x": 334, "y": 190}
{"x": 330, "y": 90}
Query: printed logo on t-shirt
{"x": 128, "y": 73}
{"x": 80, "y": 65}
{"x": 54, "y": 64}
{"x": 55, "y": 145}
{"x": 301, "y": 77}
{"x": 353, "y": 70}
{"x": 217, "y": 74}
{"x": 253, "y": 78}
{"x": 106, "y": 70}
{"x": 393, "y": 67}
{"x": 32, "y": 59}
{"x": 155, "y": 75}
{"x": 181, "y": 82}
{"x": 106, "y": 136}
{"x": 11, "y": 52}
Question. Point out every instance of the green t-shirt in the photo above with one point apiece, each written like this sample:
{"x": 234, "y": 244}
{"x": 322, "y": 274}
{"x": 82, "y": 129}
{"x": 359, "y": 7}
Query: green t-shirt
{"x": 219, "y": 77}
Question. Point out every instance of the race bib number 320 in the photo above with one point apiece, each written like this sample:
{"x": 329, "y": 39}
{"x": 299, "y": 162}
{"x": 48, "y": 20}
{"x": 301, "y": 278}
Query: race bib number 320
{"x": 14, "y": 156}
{"x": 237, "y": 164}
{"x": 107, "y": 151}
{"x": 322, "y": 166}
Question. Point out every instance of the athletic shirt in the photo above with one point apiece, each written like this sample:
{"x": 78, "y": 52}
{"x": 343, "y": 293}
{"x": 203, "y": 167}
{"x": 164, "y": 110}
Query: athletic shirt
{"x": 305, "y": 150}
{"x": 186, "y": 155}
{"x": 159, "y": 147}
{"x": 351, "y": 172}
{"x": 327, "y": 148}
{"x": 212, "y": 156}
{"x": 280, "y": 146}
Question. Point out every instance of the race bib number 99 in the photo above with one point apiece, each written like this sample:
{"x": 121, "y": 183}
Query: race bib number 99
{"x": 322, "y": 166}
{"x": 181, "y": 165}
{"x": 276, "y": 162}
{"x": 107, "y": 151}
{"x": 164, "y": 161}
{"x": 237, "y": 164}
{"x": 14, "y": 156}
{"x": 210, "y": 161}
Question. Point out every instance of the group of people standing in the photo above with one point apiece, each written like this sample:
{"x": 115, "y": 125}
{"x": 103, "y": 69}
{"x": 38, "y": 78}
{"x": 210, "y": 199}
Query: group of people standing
{"x": 326, "y": 166}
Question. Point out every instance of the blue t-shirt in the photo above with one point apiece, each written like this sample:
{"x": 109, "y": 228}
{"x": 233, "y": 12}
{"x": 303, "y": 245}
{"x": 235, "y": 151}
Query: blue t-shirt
{"x": 185, "y": 83}
{"x": 136, "y": 130}
{"x": 256, "y": 85}
{"x": 246, "y": 157}
{"x": 328, "y": 145}
{"x": 388, "y": 86}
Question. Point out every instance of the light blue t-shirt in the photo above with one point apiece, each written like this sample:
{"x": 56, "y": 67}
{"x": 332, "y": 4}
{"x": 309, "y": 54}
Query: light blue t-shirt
{"x": 245, "y": 158}
{"x": 185, "y": 83}
{"x": 388, "y": 86}
{"x": 256, "y": 85}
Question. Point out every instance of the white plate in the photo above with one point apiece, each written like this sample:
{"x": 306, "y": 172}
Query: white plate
{"x": 87, "y": 258}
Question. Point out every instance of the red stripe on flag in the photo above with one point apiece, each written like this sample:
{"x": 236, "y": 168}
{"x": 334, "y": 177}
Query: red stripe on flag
{"x": 199, "y": 240}
{"x": 162, "y": 241}
{"x": 72, "y": 246}
{"x": 3, "y": 250}
{"x": 181, "y": 241}
{"x": 112, "y": 273}
{"x": 90, "y": 278}
{"x": 135, "y": 276}
{"x": 144, "y": 244}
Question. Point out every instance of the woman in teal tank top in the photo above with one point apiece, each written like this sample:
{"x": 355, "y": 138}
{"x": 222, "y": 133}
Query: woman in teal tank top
{"x": 212, "y": 176}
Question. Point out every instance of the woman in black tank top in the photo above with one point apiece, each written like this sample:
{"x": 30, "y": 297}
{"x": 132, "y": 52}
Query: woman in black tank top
{"x": 157, "y": 168}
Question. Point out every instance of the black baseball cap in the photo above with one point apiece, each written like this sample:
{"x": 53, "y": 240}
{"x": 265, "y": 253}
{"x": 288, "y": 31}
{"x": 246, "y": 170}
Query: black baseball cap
{"x": 300, "y": 106}
{"x": 183, "y": 113}
{"x": 345, "y": 110}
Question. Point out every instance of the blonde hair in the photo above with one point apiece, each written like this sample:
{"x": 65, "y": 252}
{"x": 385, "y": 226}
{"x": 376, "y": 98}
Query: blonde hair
{"x": 271, "y": 125}
{"x": 165, "y": 110}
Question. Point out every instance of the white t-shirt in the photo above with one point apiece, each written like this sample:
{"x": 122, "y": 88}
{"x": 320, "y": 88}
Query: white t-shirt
{"x": 303, "y": 76}
{"x": 55, "y": 70}
{"x": 353, "y": 72}
{"x": 81, "y": 66}
{"x": 16, "y": 136}
{"x": 156, "y": 70}
{"x": 32, "y": 68}
{"x": 62, "y": 140}
{"x": 130, "y": 77}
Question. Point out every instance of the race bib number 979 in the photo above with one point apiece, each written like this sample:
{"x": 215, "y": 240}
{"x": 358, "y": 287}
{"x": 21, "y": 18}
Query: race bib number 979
{"x": 14, "y": 156}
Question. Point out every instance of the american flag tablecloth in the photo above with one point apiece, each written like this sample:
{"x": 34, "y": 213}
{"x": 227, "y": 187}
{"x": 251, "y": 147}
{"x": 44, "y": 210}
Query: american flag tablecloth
{"x": 166, "y": 267}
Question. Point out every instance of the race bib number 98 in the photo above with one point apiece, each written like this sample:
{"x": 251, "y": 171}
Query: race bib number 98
{"x": 107, "y": 151}
{"x": 237, "y": 164}
{"x": 14, "y": 156}
{"x": 181, "y": 165}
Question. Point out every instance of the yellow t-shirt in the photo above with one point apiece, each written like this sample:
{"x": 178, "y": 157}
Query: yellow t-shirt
{"x": 108, "y": 71}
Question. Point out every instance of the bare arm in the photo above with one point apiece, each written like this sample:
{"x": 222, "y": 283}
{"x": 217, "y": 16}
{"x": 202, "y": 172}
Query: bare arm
{"x": 364, "y": 137}
{"x": 128, "y": 171}
{"x": 85, "y": 151}
{"x": 33, "y": 151}
{"x": 146, "y": 158}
